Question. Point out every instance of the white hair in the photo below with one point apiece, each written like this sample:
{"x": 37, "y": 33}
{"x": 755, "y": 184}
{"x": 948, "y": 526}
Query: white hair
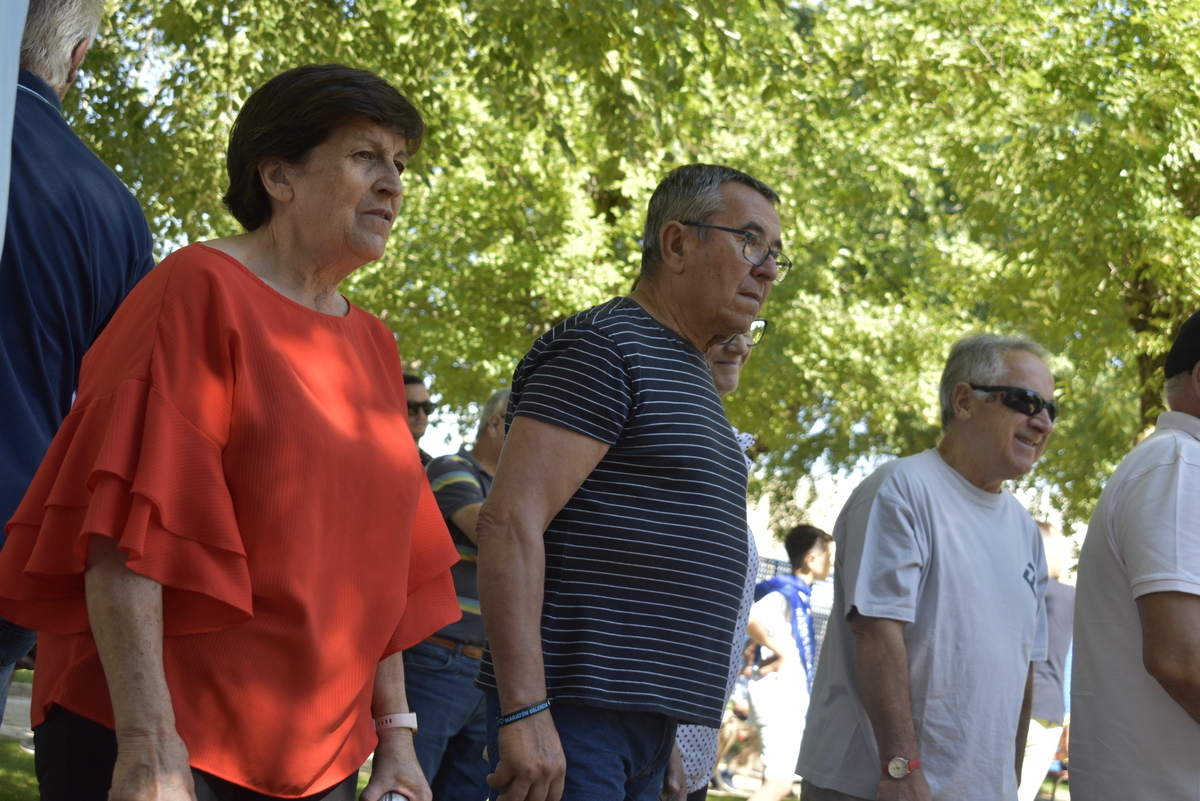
{"x": 978, "y": 359}
{"x": 494, "y": 405}
{"x": 1175, "y": 389}
{"x": 52, "y": 30}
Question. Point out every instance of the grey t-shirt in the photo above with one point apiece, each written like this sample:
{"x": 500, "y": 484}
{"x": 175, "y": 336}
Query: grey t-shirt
{"x": 965, "y": 569}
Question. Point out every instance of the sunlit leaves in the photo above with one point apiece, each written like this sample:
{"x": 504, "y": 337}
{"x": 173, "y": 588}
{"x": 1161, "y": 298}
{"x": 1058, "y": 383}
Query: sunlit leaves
{"x": 945, "y": 167}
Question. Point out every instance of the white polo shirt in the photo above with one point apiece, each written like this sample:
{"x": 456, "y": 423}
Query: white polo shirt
{"x": 1129, "y": 740}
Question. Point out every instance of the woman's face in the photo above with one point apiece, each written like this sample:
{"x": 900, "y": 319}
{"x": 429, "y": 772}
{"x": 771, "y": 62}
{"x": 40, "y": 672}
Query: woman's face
{"x": 347, "y": 193}
{"x": 726, "y": 360}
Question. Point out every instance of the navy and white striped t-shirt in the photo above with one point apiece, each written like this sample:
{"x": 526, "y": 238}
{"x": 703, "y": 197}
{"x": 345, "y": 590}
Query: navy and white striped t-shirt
{"x": 646, "y": 563}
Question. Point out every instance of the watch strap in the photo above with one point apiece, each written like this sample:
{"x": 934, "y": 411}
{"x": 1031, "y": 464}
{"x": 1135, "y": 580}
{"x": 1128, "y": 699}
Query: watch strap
{"x": 399, "y": 720}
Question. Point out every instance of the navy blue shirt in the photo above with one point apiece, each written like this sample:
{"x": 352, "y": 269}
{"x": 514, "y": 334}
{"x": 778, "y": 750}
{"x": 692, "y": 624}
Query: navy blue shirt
{"x": 77, "y": 242}
{"x": 646, "y": 563}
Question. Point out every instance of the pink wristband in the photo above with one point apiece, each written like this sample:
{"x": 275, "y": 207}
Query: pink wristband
{"x": 400, "y": 720}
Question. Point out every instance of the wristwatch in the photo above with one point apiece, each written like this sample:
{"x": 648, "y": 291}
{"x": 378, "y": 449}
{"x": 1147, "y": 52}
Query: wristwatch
{"x": 900, "y": 767}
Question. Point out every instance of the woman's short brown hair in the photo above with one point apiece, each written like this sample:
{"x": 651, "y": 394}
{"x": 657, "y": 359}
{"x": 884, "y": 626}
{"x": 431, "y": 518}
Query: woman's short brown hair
{"x": 295, "y": 112}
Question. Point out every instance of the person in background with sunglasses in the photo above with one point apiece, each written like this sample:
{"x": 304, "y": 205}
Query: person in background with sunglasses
{"x": 1135, "y": 688}
{"x": 419, "y": 409}
{"x": 924, "y": 683}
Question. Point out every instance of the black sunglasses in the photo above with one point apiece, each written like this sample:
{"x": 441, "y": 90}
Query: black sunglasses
{"x": 1025, "y": 401}
{"x": 421, "y": 406}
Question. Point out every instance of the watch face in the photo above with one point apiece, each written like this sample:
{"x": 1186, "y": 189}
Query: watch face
{"x": 898, "y": 768}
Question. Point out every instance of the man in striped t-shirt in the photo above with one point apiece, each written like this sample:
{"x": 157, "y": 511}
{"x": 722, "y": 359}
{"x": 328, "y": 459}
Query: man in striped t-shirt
{"x": 613, "y": 544}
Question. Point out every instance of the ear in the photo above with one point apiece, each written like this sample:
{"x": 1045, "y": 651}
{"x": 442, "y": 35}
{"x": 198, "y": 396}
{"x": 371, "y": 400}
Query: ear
{"x": 674, "y": 244}
{"x": 77, "y": 54}
{"x": 1195, "y": 382}
{"x": 962, "y": 400}
{"x": 276, "y": 175}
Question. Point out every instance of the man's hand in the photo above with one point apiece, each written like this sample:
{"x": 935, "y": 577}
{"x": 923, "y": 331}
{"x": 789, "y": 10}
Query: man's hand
{"x": 152, "y": 768}
{"x": 772, "y": 665}
{"x": 1171, "y": 645}
{"x": 912, "y": 787}
{"x": 395, "y": 768}
{"x": 674, "y": 780}
{"x": 532, "y": 764}
{"x": 758, "y": 633}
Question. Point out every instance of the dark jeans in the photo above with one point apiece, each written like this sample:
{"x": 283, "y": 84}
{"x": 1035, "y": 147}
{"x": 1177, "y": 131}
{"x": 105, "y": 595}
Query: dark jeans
{"x": 15, "y": 642}
{"x": 74, "y": 759}
{"x": 440, "y": 684}
{"x": 611, "y": 755}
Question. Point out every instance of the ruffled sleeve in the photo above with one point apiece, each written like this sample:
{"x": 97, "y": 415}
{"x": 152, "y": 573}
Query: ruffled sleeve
{"x": 432, "y": 601}
{"x": 128, "y": 465}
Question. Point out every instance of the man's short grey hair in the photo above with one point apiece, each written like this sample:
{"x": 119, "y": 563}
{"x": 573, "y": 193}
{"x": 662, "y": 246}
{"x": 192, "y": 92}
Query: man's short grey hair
{"x": 979, "y": 359}
{"x": 52, "y": 29}
{"x": 691, "y": 193}
{"x": 1176, "y": 389}
{"x": 494, "y": 405}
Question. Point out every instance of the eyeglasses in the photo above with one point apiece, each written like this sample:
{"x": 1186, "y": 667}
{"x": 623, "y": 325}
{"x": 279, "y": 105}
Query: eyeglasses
{"x": 754, "y": 248}
{"x": 420, "y": 406}
{"x": 1025, "y": 401}
{"x": 758, "y": 329}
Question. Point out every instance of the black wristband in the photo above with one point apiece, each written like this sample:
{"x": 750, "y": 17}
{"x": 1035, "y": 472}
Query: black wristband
{"x": 532, "y": 709}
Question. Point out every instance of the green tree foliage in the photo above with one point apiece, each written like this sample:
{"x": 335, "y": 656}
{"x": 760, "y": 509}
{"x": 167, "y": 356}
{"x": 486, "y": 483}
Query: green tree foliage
{"x": 946, "y": 167}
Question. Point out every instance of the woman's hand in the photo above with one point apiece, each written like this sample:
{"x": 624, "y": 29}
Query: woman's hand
{"x": 674, "y": 780}
{"x": 152, "y": 768}
{"x": 395, "y": 768}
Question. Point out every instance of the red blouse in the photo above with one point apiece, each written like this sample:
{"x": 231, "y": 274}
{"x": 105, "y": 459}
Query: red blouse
{"x": 252, "y": 456}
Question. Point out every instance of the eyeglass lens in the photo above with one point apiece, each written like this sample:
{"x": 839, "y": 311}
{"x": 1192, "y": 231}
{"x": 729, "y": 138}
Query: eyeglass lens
{"x": 757, "y": 329}
{"x": 1028, "y": 402}
{"x": 756, "y": 251}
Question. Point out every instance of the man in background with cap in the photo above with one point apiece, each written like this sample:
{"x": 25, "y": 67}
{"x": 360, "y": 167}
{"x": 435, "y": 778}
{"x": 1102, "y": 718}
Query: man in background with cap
{"x": 1135, "y": 698}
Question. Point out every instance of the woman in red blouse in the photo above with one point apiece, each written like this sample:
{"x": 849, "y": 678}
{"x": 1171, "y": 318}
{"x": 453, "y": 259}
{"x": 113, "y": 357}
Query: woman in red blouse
{"x": 231, "y": 538}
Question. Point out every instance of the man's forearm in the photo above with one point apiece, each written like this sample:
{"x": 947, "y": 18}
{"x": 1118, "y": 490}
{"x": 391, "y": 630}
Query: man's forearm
{"x": 540, "y": 468}
{"x": 125, "y": 612}
{"x": 883, "y": 684}
{"x": 512, "y": 565}
{"x": 1023, "y": 722}
{"x": 1171, "y": 645}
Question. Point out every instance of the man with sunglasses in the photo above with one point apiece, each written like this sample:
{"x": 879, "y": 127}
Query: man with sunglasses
{"x": 439, "y": 673}
{"x": 612, "y": 547}
{"x": 924, "y": 683}
{"x": 1135, "y": 691}
{"x": 419, "y": 409}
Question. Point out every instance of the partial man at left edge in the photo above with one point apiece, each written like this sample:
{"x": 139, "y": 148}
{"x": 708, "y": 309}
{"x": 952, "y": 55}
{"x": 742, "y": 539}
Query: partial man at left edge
{"x": 76, "y": 243}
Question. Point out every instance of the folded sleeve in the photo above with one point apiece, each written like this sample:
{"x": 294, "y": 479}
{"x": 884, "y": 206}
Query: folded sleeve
{"x": 1154, "y": 529}
{"x": 887, "y": 546}
{"x": 432, "y": 601}
{"x": 580, "y": 382}
{"x": 127, "y": 464}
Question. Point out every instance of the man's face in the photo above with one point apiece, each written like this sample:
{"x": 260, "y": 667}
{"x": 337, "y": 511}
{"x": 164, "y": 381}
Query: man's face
{"x": 726, "y": 291}
{"x": 1012, "y": 441}
{"x": 821, "y": 562}
{"x": 726, "y": 360}
{"x": 418, "y": 419}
